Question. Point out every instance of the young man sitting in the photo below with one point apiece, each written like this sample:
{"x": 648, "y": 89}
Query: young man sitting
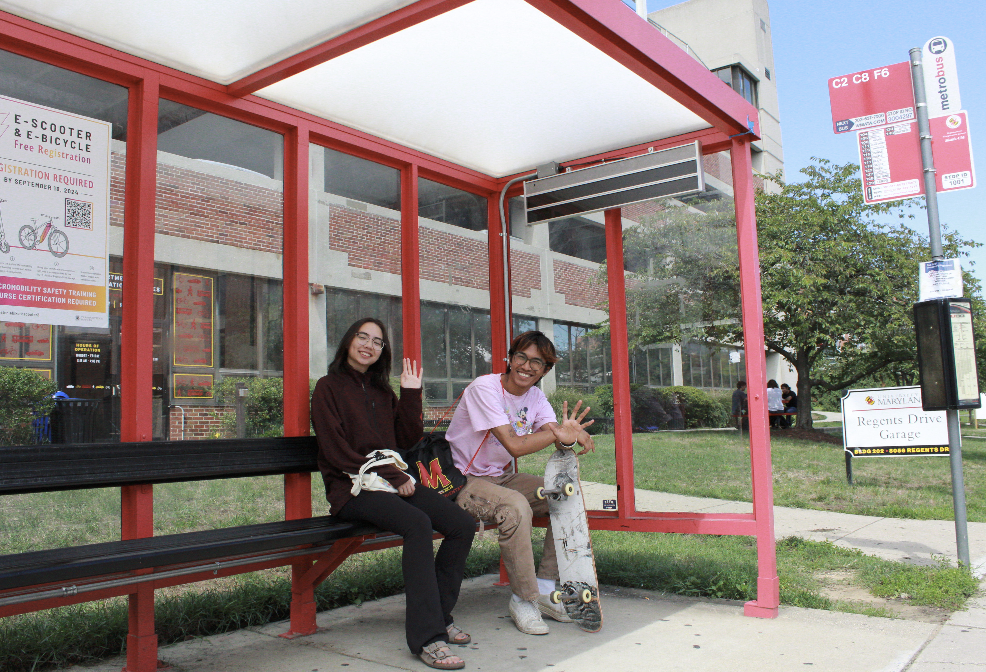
{"x": 499, "y": 418}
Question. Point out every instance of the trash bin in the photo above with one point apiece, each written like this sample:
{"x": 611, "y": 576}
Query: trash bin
{"x": 74, "y": 420}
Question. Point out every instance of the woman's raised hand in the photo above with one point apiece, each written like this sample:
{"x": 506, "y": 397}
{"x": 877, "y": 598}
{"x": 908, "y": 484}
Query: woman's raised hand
{"x": 411, "y": 376}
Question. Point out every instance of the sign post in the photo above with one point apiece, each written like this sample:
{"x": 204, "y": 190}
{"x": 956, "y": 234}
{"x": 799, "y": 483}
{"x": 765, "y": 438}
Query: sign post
{"x": 935, "y": 48}
{"x": 881, "y": 105}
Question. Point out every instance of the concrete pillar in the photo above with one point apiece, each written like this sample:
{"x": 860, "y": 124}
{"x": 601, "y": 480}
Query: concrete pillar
{"x": 677, "y": 378}
{"x": 318, "y": 347}
{"x": 547, "y": 327}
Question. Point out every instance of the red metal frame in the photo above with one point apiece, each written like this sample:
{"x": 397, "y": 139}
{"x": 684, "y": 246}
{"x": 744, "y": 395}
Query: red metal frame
{"x": 768, "y": 584}
{"x": 368, "y": 33}
{"x": 607, "y": 26}
{"x": 620, "y": 349}
{"x": 410, "y": 264}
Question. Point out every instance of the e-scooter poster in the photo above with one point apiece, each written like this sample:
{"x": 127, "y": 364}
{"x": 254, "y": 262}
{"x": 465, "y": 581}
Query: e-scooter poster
{"x": 54, "y": 216}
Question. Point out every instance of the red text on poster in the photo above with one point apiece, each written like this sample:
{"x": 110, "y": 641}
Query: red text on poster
{"x": 192, "y": 320}
{"x": 25, "y": 341}
{"x": 193, "y": 386}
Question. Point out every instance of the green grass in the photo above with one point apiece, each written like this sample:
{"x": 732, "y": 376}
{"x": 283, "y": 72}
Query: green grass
{"x": 692, "y": 565}
{"x": 806, "y": 475}
{"x": 713, "y": 464}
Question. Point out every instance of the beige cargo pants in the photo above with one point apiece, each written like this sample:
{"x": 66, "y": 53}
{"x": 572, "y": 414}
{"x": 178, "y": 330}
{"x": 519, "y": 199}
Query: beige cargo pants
{"x": 510, "y": 501}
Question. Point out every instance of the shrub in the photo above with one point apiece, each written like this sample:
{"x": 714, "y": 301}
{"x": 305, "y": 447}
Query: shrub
{"x": 264, "y": 405}
{"x": 572, "y": 396}
{"x": 698, "y": 408}
{"x": 24, "y": 397}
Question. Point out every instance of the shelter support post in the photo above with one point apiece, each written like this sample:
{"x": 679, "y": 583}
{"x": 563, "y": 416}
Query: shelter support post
{"x": 499, "y": 284}
{"x": 410, "y": 263}
{"x": 297, "y": 487}
{"x": 619, "y": 344}
{"x": 768, "y": 586}
{"x": 136, "y": 347}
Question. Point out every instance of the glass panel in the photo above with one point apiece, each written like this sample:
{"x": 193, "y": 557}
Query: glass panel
{"x": 455, "y": 318}
{"x": 360, "y": 180}
{"x": 355, "y": 241}
{"x": 218, "y": 259}
{"x": 453, "y": 206}
{"x": 434, "y": 342}
{"x": 681, "y": 254}
{"x": 76, "y": 232}
{"x": 578, "y": 237}
{"x": 559, "y": 286}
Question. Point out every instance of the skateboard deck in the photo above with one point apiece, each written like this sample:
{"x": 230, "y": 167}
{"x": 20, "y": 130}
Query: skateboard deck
{"x": 579, "y": 588}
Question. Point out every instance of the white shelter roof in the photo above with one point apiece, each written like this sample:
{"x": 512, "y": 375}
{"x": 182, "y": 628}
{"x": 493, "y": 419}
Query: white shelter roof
{"x": 499, "y": 86}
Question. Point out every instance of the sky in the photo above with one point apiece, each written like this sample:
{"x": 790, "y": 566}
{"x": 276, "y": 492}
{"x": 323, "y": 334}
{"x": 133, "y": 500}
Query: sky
{"x": 815, "y": 40}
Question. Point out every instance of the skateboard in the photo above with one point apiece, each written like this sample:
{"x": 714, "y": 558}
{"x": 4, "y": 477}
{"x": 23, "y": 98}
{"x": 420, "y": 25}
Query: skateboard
{"x": 579, "y": 592}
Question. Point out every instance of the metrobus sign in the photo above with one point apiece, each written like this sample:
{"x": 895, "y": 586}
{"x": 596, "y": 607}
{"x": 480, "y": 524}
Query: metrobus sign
{"x": 872, "y": 98}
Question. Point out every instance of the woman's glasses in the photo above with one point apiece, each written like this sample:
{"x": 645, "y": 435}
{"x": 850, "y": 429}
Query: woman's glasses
{"x": 519, "y": 359}
{"x": 363, "y": 338}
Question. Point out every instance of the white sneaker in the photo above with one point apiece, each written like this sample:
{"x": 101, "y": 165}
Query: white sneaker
{"x": 527, "y": 617}
{"x": 551, "y": 610}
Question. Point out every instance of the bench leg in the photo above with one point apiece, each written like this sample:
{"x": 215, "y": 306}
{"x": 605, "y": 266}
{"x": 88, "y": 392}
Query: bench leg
{"x": 302, "y": 602}
{"x": 142, "y": 640}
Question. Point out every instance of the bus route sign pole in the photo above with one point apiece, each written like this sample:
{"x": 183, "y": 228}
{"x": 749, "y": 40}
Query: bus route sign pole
{"x": 937, "y": 254}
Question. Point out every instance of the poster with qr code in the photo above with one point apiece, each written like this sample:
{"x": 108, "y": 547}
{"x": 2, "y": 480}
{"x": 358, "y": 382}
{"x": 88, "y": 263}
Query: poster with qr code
{"x": 54, "y": 216}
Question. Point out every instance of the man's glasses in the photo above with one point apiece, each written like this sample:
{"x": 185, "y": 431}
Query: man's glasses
{"x": 363, "y": 338}
{"x": 520, "y": 359}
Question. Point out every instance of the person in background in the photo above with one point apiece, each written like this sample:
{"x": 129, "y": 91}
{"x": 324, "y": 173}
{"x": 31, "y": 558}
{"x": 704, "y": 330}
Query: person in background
{"x": 502, "y": 417}
{"x": 775, "y": 404}
{"x": 356, "y": 413}
{"x": 790, "y": 400}
{"x": 740, "y": 410}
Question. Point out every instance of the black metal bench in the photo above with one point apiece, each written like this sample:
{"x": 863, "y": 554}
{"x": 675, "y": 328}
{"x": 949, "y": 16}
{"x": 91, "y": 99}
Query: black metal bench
{"x": 40, "y": 579}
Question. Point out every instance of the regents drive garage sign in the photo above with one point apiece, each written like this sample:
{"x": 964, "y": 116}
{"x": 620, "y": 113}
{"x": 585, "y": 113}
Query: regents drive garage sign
{"x": 890, "y": 421}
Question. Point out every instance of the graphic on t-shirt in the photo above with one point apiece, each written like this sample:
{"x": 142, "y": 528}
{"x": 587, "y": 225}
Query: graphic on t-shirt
{"x": 522, "y": 425}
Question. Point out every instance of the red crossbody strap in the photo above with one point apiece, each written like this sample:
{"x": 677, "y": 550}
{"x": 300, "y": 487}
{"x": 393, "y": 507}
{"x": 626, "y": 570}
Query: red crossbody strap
{"x": 445, "y": 414}
{"x": 477, "y": 450}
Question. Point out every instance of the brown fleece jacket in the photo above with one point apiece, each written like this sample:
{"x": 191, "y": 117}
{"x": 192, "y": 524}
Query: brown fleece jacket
{"x": 353, "y": 418}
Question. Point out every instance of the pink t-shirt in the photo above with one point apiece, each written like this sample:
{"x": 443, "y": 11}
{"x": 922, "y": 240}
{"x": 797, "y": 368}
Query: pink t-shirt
{"x": 484, "y": 405}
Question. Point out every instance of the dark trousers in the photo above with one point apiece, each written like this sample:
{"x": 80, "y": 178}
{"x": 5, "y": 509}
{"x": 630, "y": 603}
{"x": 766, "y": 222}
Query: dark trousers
{"x": 431, "y": 582}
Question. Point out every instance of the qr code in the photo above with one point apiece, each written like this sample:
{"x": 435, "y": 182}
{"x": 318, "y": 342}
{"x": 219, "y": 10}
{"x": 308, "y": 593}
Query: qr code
{"x": 78, "y": 214}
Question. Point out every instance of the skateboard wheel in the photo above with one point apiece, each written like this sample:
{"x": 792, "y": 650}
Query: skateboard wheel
{"x": 539, "y": 493}
{"x": 569, "y": 489}
{"x": 586, "y": 595}
{"x": 555, "y": 596}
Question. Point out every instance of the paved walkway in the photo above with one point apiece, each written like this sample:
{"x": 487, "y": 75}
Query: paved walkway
{"x": 643, "y": 630}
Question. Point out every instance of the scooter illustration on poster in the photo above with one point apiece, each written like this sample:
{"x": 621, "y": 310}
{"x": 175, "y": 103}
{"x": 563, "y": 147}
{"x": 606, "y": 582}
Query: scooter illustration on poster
{"x": 4, "y": 245}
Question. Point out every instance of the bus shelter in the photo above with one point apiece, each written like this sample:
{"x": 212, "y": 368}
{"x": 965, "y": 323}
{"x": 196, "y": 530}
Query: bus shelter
{"x": 361, "y": 151}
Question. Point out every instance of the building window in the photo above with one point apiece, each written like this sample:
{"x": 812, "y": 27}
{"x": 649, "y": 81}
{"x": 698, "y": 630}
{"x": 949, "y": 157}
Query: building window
{"x": 343, "y": 307}
{"x": 741, "y": 81}
{"x": 578, "y": 237}
{"x": 456, "y": 347}
{"x": 361, "y": 180}
{"x": 453, "y": 206}
{"x": 583, "y": 358}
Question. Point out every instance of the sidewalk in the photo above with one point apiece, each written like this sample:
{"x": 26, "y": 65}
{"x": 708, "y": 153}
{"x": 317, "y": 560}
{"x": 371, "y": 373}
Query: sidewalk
{"x": 642, "y": 630}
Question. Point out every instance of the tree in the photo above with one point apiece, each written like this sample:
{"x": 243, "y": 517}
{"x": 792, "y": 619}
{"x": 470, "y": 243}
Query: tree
{"x": 838, "y": 280}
